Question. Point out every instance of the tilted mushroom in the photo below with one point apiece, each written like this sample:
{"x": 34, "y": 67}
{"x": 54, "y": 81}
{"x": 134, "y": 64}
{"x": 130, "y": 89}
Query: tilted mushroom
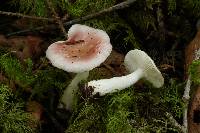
{"x": 85, "y": 49}
{"x": 139, "y": 64}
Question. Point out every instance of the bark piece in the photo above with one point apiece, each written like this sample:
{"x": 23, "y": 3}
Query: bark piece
{"x": 194, "y": 105}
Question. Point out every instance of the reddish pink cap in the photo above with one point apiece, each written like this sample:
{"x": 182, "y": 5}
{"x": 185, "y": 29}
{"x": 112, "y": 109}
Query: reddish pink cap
{"x": 85, "y": 49}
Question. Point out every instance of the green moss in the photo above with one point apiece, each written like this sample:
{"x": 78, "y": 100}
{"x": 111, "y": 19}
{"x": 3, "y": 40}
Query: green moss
{"x": 119, "y": 123}
{"x": 75, "y": 9}
{"x": 194, "y": 71}
{"x": 138, "y": 110}
{"x": 43, "y": 83}
{"x": 38, "y": 7}
{"x": 83, "y": 7}
{"x": 47, "y": 80}
{"x": 144, "y": 20}
{"x": 171, "y": 98}
{"x": 112, "y": 112}
{"x": 15, "y": 71}
{"x": 12, "y": 117}
{"x": 153, "y": 103}
{"x": 171, "y": 6}
{"x": 191, "y": 7}
{"x": 118, "y": 113}
{"x": 130, "y": 110}
{"x": 87, "y": 119}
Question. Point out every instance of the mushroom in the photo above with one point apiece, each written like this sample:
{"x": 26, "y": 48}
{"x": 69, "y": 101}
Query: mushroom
{"x": 139, "y": 64}
{"x": 85, "y": 49}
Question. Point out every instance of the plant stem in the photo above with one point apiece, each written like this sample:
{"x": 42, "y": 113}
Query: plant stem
{"x": 57, "y": 18}
{"x": 69, "y": 93}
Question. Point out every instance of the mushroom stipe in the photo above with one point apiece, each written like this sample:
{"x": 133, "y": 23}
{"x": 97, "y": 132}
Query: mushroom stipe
{"x": 139, "y": 64}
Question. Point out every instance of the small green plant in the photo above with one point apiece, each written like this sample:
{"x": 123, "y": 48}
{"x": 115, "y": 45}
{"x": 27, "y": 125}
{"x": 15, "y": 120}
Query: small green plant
{"x": 38, "y": 7}
{"x": 118, "y": 113}
{"x": 171, "y": 6}
{"x": 83, "y": 7}
{"x": 14, "y": 70}
{"x": 194, "y": 71}
{"x": 192, "y": 6}
{"x": 41, "y": 82}
{"x": 87, "y": 119}
{"x": 171, "y": 98}
{"x": 12, "y": 116}
{"x": 48, "y": 80}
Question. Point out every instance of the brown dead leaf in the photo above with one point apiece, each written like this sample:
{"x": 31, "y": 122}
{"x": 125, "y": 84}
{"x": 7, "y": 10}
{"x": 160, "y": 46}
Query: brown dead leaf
{"x": 36, "y": 110}
{"x": 3, "y": 40}
{"x": 5, "y": 80}
{"x": 114, "y": 63}
{"x": 115, "y": 58}
{"x": 26, "y": 47}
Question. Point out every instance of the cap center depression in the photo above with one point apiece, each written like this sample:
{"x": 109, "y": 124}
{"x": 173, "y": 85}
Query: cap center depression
{"x": 79, "y": 50}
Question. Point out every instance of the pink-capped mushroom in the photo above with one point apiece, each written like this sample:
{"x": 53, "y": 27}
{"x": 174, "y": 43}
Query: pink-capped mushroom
{"x": 85, "y": 49}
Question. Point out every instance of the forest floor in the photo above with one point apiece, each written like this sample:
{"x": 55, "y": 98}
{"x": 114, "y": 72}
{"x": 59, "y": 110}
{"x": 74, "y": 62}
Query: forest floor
{"x": 38, "y": 86}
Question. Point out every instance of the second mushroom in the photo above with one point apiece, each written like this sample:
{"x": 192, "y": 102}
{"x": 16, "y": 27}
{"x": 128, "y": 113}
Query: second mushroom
{"x": 139, "y": 64}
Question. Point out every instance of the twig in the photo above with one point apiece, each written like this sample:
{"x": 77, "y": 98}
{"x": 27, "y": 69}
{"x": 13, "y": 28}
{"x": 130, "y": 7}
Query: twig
{"x": 197, "y": 54}
{"x": 52, "y": 26}
{"x": 175, "y": 123}
{"x": 25, "y": 16}
{"x": 186, "y": 95}
{"x": 185, "y": 115}
{"x": 186, "y": 98}
{"x": 160, "y": 19}
{"x": 122, "y": 5}
{"x": 57, "y": 18}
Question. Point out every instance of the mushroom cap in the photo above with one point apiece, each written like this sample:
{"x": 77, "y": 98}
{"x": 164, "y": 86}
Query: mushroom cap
{"x": 85, "y": 49}
{"x": 137, "y": 59}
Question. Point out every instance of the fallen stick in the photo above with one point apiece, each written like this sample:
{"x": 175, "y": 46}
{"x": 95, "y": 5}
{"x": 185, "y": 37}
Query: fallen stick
{"x": 175, "y": 123}
{"x": 26, "y": 16}
{"x": 121, "y": 5}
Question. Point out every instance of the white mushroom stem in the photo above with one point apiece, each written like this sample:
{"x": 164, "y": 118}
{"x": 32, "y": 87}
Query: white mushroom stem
{"x": 105, "y": 86}
{"x": 68, "y": 96}
{"x": 186, "y": 95}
